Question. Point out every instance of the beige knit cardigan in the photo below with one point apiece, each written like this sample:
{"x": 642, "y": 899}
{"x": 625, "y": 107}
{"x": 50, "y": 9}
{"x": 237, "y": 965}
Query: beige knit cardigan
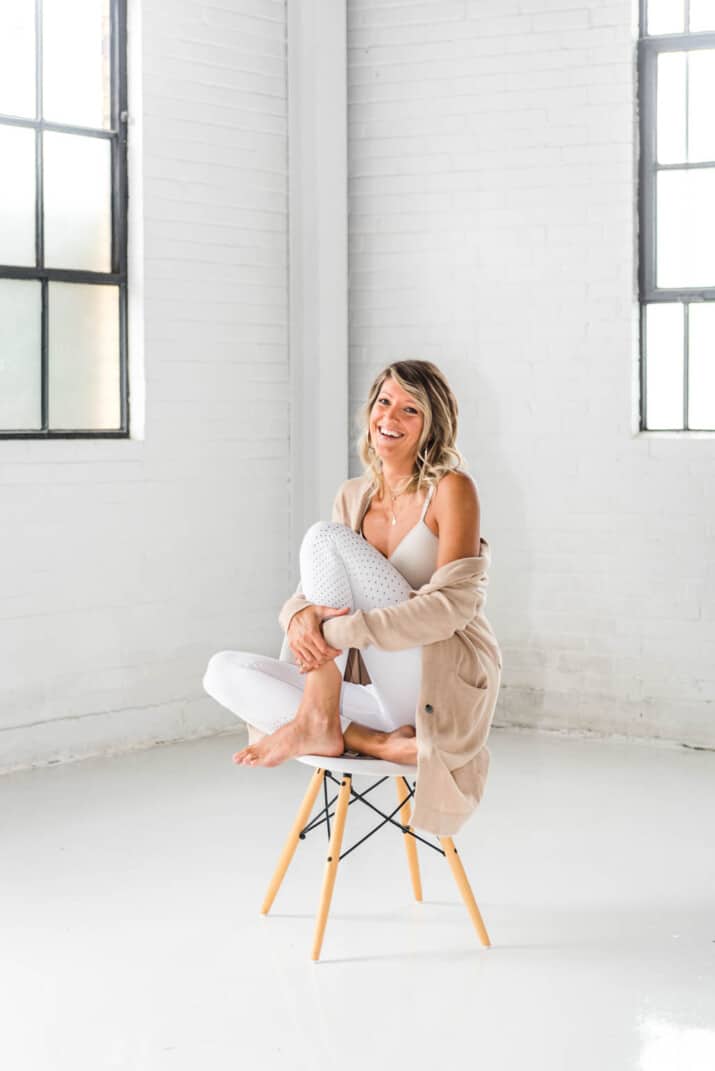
{"x": 461, "y": 670}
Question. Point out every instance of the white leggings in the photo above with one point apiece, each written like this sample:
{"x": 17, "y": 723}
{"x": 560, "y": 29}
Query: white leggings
{"x": 337, "y": 568}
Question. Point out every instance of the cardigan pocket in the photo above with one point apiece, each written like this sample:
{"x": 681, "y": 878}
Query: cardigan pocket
{"x": 481, "y": 684}
{"x": 470, "y": 778}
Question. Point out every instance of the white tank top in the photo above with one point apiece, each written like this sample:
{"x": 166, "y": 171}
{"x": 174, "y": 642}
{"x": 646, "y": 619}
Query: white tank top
{"x": 415, "y": 556}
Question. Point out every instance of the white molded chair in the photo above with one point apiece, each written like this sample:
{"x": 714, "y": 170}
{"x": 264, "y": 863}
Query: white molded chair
{"x": 347, "y": 766}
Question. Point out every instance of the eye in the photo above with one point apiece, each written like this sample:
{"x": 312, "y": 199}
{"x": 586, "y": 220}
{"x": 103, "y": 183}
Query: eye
{"x": 408, "y": 408}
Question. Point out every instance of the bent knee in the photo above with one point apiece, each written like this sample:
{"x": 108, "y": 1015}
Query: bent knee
{"x": 318, "y": 530}
{"x": 325, "y": 531}
{"x": 223, "y": 665}
{"x": 215, "y": 671}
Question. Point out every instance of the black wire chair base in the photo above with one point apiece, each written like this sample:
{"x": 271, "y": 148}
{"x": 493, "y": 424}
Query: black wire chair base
{"x": 324, "y": 815}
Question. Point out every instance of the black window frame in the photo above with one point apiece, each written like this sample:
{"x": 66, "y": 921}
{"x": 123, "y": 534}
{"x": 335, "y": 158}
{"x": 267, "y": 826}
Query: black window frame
{"x": 649, "y": 48}
{"x": 117, "y": 276}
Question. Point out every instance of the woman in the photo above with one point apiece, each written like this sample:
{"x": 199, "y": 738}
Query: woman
{"x": 399, "y": 575}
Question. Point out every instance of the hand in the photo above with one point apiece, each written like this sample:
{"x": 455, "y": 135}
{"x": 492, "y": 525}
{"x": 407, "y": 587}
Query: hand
{"x": 305, "y": 637}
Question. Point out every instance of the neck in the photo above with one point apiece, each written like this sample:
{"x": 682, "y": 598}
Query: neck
{"x": 396, "y": 475}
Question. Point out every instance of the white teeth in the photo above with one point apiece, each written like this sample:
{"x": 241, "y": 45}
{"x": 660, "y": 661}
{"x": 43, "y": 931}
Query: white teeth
{"x": 390, "y": 434}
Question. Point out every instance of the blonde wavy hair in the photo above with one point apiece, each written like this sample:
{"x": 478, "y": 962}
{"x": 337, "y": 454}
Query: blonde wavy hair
{"x": 437, "y": 452}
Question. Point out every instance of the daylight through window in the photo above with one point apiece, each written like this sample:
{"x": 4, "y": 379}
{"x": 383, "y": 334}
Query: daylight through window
{"x": 63, "y": 226}
{"x": 677, "y": 214}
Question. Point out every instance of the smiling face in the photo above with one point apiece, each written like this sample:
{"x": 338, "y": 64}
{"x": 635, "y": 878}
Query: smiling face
{"x": 396, "y": 425}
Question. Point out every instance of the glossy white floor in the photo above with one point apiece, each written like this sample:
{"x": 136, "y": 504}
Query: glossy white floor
{"x": 131, "y": 937}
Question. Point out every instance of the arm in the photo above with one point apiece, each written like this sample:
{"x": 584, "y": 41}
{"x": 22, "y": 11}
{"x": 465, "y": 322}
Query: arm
{"x": 444, "y": 605}
{"x": 456, "y": 510}
{"x": 433, "y": 613}
{"x": 292, "y": 606}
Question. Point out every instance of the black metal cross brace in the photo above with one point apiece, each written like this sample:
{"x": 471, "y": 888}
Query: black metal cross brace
{"x": 324, "y": 815}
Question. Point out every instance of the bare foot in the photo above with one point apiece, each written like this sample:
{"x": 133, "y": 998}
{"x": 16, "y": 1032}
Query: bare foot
{"x": 312, "y": 733}
{"x": 397, "y": 746}
{"x": 401, "y": 746}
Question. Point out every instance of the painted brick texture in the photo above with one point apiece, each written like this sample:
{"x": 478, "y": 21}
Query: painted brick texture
{"x": 127, "y": 564}
{"x": 493, "y": 159}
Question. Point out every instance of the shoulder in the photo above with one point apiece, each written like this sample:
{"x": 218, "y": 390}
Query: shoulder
{"x": 348, "y": 497}
{"x": 457, "y": 516}
{"x": 456, "y": 491}
{"x": 353, "y": 487}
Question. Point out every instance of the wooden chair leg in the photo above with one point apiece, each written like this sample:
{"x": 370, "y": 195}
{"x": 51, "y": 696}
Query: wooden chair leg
{"x": 403, "y": 796}
{"x": 292, "y": 841}
{"x": 331, "y": 867}
{"x": 455, "y": 865}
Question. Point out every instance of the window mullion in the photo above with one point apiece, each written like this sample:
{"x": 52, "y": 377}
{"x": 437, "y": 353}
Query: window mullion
{"x": 114, "y": 154}
{"x": 647, "y": 170}
{"x": 44, "y": 351}
{"x": 40, "y": 222}
{"x": 686, "y": 352}
{"x": 687, "y": 105}
{"x": 644, "y": 376}
{"x": 39, "y": 185}
{"x": 121, "y": 192}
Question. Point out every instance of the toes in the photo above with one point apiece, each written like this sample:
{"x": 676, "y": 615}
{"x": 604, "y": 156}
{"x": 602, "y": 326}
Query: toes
{"x": 245, "y": 757}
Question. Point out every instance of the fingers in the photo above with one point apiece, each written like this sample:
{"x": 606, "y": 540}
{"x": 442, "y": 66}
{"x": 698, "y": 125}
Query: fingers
{"x": 308, "y": 666}
{"x": 330, "y": 611}
{"x": 315, "y": 657}
{"x": 322, "y": 649}
{"x": 311, "y": 650}
{"x": 315, "y": 647}
{"x": 304, "y": 657}
{"x": 313, "y": 660}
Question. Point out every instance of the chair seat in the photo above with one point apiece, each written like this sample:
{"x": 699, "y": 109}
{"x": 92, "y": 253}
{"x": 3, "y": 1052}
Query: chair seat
{"x": 355, "y": 765}
{"x": 351, "y": 762}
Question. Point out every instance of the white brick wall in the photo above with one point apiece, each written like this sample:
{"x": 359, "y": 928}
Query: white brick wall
{"x": 492, "y": 229}
{"x": 125, "y": 565}
{"x": 492, "y": 164}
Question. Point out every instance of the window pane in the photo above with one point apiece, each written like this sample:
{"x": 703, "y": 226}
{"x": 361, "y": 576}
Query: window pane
{"x": 77, "y": 202}
{"x": 75, "y": 53}
{"x": 84, "y": 357}
{"x": 701, "y": 94}
{"x": 671, "y": 108}
{"x": 17, "y": 59}
{"x": 702, "y": 15}
{"x": 666, "y": 16}
{"x": 686, "y": 228}
{"x": 701, "y": 367}
{"x": 20, "y": 359}
{"x": 664, "y": 366}
{"x": 17, "y": 196}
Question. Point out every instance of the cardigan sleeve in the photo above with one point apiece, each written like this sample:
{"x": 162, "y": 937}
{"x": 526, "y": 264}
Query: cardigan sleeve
{"x": 297, "y": 600}
{"x": 425, "y": 617}
{"x": 291, "y": 607}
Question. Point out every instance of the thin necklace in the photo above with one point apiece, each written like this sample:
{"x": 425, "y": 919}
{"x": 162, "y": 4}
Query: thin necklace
{"x": 393, "y": 496}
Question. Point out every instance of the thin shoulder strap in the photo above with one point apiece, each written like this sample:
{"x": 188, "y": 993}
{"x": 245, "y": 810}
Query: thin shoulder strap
{"x": 427, "y": 502}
